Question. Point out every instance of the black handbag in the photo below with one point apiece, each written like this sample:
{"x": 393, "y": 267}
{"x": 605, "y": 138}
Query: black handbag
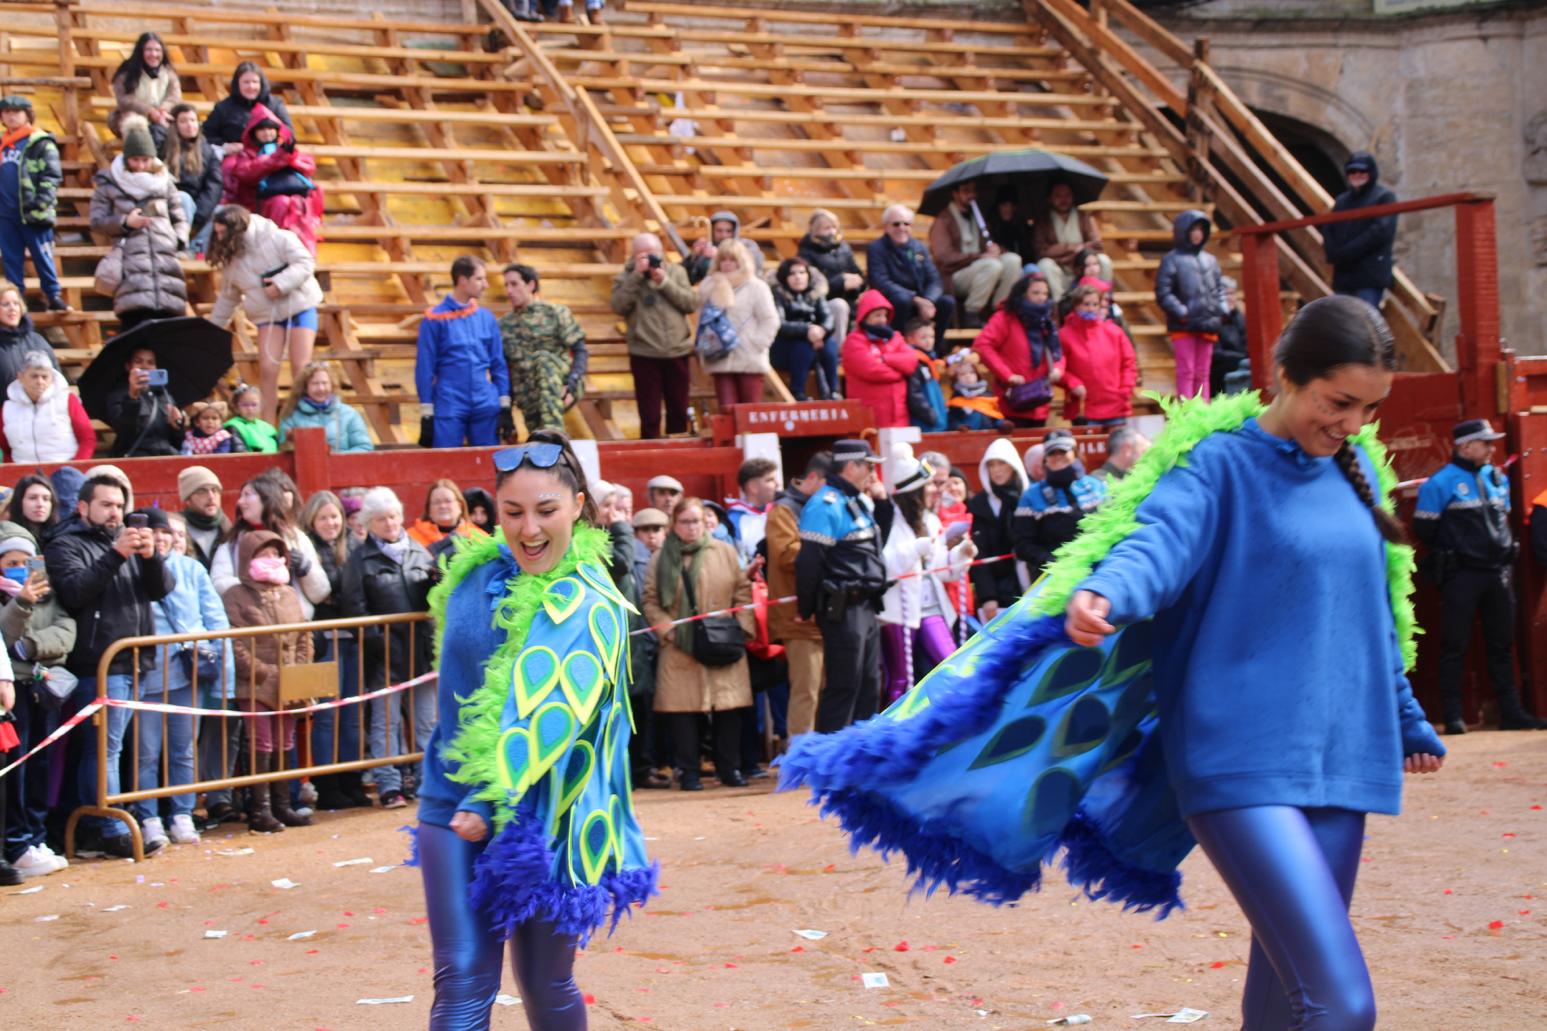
{"x": 1034, "y": 393}
{"x": 715, "y": 640}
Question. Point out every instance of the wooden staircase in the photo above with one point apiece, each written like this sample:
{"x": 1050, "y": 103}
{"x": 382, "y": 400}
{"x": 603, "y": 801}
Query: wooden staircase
{"x": 553, "y": 144}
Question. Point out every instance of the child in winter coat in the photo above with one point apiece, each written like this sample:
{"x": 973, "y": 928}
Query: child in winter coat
{"x": 207, "y": 434}
{"x": 877, "y": 362}
{"x": 1101, "y": 369}
{"x": 269, "y": 176}
{"x": 1190, "y": 287}
{"x": 38, "y": 636}
{"x": 41, "y": 420}
{"x": 264, "y": 596}
{"x": 30, "y": 175}
{"x": 248, "y": 423}
{"x": 926, "y": 401}
{"x": 971, "y": 407}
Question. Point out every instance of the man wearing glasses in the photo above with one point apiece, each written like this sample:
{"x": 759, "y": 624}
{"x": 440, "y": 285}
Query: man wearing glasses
{"x": 900, "y": 267}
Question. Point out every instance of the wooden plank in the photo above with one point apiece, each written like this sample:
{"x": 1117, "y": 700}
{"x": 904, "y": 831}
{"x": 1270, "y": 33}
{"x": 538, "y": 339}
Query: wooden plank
{"x": 822, "y": 19}
{"x": 774, "y": 116}
{"x": 392, "y": 115}
{"x": 853, "y": 94}
{"x": 268, "y": 45}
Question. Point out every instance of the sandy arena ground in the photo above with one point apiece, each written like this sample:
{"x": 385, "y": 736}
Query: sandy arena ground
{"x": 1451, "y": 908}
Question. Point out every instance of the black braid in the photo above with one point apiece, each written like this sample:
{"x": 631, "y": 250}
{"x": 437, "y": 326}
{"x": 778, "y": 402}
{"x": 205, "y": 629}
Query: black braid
{"x": 1348, "y": 461}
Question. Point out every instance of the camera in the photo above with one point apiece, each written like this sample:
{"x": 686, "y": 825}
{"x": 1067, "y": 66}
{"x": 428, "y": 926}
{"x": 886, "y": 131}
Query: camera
{"x": 653, "y": 260}
{"x": 137, "y": 520}
{"x": 156, "y": 378}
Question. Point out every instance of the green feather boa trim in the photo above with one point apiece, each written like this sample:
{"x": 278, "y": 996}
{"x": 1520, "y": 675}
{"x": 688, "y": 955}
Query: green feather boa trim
{"x": 1189, "y": 423}
{"x": 472, "y": 751}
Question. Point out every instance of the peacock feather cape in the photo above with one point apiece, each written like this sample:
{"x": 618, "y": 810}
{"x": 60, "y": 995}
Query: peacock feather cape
{"x": 1022, "y": 745}
{"x": 544, "y": 737}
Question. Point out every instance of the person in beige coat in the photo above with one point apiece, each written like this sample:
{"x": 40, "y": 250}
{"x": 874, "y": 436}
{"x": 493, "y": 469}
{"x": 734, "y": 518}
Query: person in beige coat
{"x": 684, "y": 687}
{"x": 268, "y": 272}
{"x": 747, "y": 301}
{"x": 802, "y": 639}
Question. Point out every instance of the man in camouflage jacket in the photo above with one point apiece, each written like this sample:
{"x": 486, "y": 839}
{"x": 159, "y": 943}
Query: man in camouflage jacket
{"x": 546, "y": 350}
{"x": 30, "y": 175}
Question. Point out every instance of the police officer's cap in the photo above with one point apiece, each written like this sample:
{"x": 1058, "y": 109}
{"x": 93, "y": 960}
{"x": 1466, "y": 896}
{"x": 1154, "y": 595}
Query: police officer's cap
{"x": 1469, "y": 430}
{"x": 853, "y": 451}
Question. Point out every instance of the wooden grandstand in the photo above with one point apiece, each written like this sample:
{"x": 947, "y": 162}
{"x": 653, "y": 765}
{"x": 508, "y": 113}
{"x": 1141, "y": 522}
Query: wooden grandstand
{"x": 553, "y": 144}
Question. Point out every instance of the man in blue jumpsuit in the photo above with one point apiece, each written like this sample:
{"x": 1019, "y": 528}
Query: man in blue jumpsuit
{"x": 460, "y": 370}
{"x": 839, "y": 581}
{"x": 1462, "y": 519}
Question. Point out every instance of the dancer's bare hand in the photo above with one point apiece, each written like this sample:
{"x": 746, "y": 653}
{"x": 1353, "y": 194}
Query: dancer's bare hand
{"x": 469, "y": 826}
{"x": 1423, "y": 762}
{"x": 1087, "y": 623}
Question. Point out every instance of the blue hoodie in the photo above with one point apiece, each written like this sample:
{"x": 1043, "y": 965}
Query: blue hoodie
{"x": 1277, "y": 668}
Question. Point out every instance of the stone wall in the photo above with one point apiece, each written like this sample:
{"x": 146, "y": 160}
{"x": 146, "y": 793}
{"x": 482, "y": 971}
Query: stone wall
{"x": 1447, "y": 103}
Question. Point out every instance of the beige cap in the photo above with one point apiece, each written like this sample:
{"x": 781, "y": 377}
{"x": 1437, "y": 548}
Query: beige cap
{"x": 650, "y": 519}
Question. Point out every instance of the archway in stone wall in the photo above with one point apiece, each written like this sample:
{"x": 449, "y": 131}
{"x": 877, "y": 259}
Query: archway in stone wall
{"x": 1318, "y": 151}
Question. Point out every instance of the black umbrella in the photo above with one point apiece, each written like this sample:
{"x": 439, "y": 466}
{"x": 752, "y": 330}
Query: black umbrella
{"x": 194, "y": 352}
{"x": 1028, "y": 172}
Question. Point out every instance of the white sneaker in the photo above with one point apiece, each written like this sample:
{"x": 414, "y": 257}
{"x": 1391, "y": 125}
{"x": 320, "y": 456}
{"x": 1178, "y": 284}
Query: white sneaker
{"x": 59, "y": 861}
{"x": 35, "y": 864}
{"x": 183, "y": 831}
{"x": 154, "y": 835}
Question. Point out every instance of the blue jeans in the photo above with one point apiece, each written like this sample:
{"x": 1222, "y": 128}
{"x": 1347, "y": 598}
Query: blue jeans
{"x": 803, "y": 356}
{"x": 118, "y": 686}
{"x": 348, "y": 719}
{"x": 1369, "y": 295}
{"x": 174, "y": 688}
{"x": 389, "y": 777}
{"x": 200, "y": 241}
{"x": 16, "y": 241}
{"x": 477, "y": 429}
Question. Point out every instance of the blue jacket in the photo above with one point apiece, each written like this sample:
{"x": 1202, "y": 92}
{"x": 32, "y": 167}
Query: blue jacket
{"x": 193, "y": 606}
{"x": 840, "y": 543}
{"x": 902, "y": 273}
{"x": 1307, "y": 708}
{"x": 1360, "y": 251}
{"x": 1048, "y": 517}
{"x": 460, "y": 368}
{"x": 1464, "y": 510}
{"x": 1189, "y": 286}
{"x": 344, "y": 424}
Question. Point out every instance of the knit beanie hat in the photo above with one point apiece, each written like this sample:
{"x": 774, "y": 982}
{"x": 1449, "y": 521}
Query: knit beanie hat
{"x": 138, "y": 144}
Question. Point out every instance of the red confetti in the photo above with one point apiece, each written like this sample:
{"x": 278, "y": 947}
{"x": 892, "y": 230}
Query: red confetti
{"x": 1509, "y": 834}
{"x": 1525, "y": 912}
{"x": 262, "y": 923}
{"x": 1536, "y": 809}
{"x": 1136, "y": 945}
{"x": 196, "y": 988}
{"x": 379, "y": 910}
{"x": 312, "y": 952}
{"x": 1496, "y": 925}
{"x": 590, "y": 1000}
{"x": 1449, "y": 891}
{"x": 830, "y": 867}
{"x": 132, "y": 1018}
{"x": 257, "y": 962}
{"x": 869, "y": 948}
{"x": 730, "y": 966}
{"x": 1217, "y": 965}
{"x": 112, "y": 957}
{"x": 931, "y": 948}
{"x": 900, "y": 947}
{"x": 342, "y": 926}
{"x": 424, "y": 970}
{"x": 1499, "y": 765}
{"x": 950, "y": 959}
{"x": 420, "y": 920}
{"x": 799, "y": 948}
{"x": 161, "y": 905}
{"x": 348, "y": 912}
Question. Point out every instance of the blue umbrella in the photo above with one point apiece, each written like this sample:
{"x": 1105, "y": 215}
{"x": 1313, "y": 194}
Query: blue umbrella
{"x": 1028, "y": 172}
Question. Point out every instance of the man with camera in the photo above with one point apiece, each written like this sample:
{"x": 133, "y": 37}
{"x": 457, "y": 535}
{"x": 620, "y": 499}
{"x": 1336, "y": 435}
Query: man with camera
{"x": 141, "y": 412}
{"x": 839, "y": 580}
{"x": 106, "y": 573}
{"x": 655, "y": 299}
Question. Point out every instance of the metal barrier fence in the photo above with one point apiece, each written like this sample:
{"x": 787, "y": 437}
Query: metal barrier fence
{"x": 358, "y": 675}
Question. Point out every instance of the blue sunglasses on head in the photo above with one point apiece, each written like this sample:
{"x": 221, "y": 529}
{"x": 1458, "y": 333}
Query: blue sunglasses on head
{"x": 539, "y": 456}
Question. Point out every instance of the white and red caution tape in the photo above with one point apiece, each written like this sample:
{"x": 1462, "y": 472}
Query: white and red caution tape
{"x": 187, "y": 710}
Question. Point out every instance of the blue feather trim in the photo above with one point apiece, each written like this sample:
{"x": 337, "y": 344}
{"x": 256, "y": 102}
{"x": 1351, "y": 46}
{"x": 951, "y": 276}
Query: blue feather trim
{"x": 413, "y": 845}
{"x": 880, "y": 750}
{"x": 1093, "y": 868}
{"x": 513, "y": 883}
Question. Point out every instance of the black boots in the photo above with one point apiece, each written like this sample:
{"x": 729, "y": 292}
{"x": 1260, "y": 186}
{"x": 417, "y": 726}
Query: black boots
{"x": 279, "y": 796}
{"x": 260, "y": 811}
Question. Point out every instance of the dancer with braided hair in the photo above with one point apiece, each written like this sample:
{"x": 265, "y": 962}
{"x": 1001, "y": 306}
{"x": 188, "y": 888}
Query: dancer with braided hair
{"x": 1240, "y": 623}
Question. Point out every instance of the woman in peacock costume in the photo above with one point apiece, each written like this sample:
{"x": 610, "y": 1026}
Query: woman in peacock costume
{"x": 526, "y": 824}
{"x": 1217, "y": 659}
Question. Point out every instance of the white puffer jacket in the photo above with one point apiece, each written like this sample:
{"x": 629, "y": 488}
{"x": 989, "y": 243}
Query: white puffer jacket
{"x": 267, "y": 247}
{"x": 907, "y": 553}
{"x": 41, "y": 431}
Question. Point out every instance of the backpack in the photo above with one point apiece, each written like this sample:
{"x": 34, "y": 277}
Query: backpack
{"x": 716, "y": 336}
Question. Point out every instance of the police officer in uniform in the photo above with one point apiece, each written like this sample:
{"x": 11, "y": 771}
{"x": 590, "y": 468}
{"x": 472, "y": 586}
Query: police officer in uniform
{"x": 1463, "y": 520}
{"x": 839, "y": 581}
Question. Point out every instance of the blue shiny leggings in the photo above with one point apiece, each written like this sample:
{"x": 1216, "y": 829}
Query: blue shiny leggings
{"x": 468, "y": 953}
{"x": 1292, "y": 871}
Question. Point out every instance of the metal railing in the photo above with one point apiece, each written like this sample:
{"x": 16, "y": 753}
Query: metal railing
{"x": 373, "y": 665}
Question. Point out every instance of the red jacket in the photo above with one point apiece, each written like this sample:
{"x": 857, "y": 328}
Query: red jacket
{"x": 1006, "y": 350}
{"x": 1100, "y": 359}
{"x": 877, "y": 373}
{"x": 240, "y": 173}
